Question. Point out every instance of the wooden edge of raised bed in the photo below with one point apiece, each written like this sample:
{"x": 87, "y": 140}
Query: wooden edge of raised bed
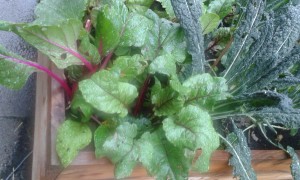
{"x": 268, "y": 164}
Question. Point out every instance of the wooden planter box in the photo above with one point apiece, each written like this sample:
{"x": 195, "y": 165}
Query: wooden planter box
{"x": 268, "y": 164}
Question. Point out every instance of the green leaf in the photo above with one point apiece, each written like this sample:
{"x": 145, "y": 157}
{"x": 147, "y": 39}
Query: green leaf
{"x": 166, "y": 101}
{"x": 164, "y": 38}
{"x": 9, "y": 26}
{"x": 71, "y": 137}
{"x": 209, "y": 22}
{"x": 236, "y": 145}
{"x": 164, "y": 65}
{"x": 223, "y": 36}
{"x": 89, "y": 50}
{"x": 253, "y": 63}
{"x": 168, "y": 7}
{"x": 129, "y": 67}
{"x": 242, "y": 36}
{"x": 105, "y": 93}
{"x": 220, "y": 7}
{"x": 189, "y": 14}
{"x": 80, "y": 106}
{"x": 119, "y": 146}
{"x": 293, "y": 132}
{"x": 205, "y": 90}
{"x": 59, "y": 42}
{"x": 140, "y": 6}
{"x": 12, "y": 74}
{"x": 162, "y": 159}
{"x": 272, "y": 107}
{"x": 192, "y": 128}
{"x": 143, "y": 124}
{"x": 118, "y": 27}
{"x": 53, "y": 12}
{"x": 295, "y": 165}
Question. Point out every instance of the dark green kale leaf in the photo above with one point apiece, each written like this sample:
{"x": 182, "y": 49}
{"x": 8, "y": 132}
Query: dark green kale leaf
{"x": 188, "y": 12}
{"x": 295, "y": 165}
{"x": 279, "y": 110}
{"x": 236, "y": 145}
{"x": 264, "y": 106}
{"x": 259, "y": 56}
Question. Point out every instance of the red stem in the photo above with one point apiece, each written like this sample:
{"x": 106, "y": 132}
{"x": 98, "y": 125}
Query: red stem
{"x": 61, "y": 81}
{"x": 141, "y": 97}
{"x": 106, "y": 60}
{"x": 74, "y": 53}
{"x": 210, "y": 47}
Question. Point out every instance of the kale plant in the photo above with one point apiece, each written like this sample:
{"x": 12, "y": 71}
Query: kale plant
{"x": 137, "y": 74}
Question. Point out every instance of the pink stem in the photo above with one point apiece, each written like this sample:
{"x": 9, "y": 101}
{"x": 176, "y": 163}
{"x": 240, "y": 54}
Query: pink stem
{"x": 88, "y": 25}
{"x": 74, "y": 53}
{"x": 44, "y": 69}
{"x": 106, "y": 60}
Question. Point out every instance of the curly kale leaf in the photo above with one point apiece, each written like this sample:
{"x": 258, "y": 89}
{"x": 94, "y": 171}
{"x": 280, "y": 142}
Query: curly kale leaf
{"x": 262, "y": 47}
{"x": 295, "y": 165}
{"x": 236, "y": 145}
{"x": 188, "y": 12}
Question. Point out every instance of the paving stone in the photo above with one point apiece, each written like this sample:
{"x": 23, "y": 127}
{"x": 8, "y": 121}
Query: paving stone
{"x": 16, "y": 107}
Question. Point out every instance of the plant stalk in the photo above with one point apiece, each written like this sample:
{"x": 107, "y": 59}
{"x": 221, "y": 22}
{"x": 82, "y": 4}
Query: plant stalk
{"x": 141, "y": 97}
{"x": 74, "y": 53}
{"x": 106, "y": 60}
{"x": 61, "y": 81}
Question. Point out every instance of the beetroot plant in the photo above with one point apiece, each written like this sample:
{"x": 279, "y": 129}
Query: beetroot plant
{"x": 149, "y": 80}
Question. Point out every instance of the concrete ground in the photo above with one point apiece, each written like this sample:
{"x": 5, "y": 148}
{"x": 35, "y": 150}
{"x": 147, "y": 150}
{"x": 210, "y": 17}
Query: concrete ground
{"x": 16, "y": 107}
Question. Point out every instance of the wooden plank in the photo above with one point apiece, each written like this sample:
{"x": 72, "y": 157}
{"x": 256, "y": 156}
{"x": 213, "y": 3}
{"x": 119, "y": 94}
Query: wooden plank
{"x": 57, "y": 112}
{"x": 45, "y": 113}
{"x": 42, "y": 118}
{"x": 88, "y": 157}
{"x": 265, "y": 169}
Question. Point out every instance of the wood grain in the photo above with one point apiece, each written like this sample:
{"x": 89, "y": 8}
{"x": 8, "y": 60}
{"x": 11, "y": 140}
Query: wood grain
{"x": 45, "y": 106}
{"x": 42, "y": 119}
{"x": 50, "y": 108}
{"x": 267, "y": 164}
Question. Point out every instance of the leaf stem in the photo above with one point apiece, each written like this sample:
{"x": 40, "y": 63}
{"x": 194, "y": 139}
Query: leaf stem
{"x": 61, "y": 81}
{"x": 106, "y": 60}
{"x": 269, "y": 140}
{"x": 230, "y": 115}
{"x": 141, "y": 97}
{"x": 94, "y": 118}
{"x": 223, "y": 52}
{"x": 249, "y": 127}
{"x": 69, "y": 50}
